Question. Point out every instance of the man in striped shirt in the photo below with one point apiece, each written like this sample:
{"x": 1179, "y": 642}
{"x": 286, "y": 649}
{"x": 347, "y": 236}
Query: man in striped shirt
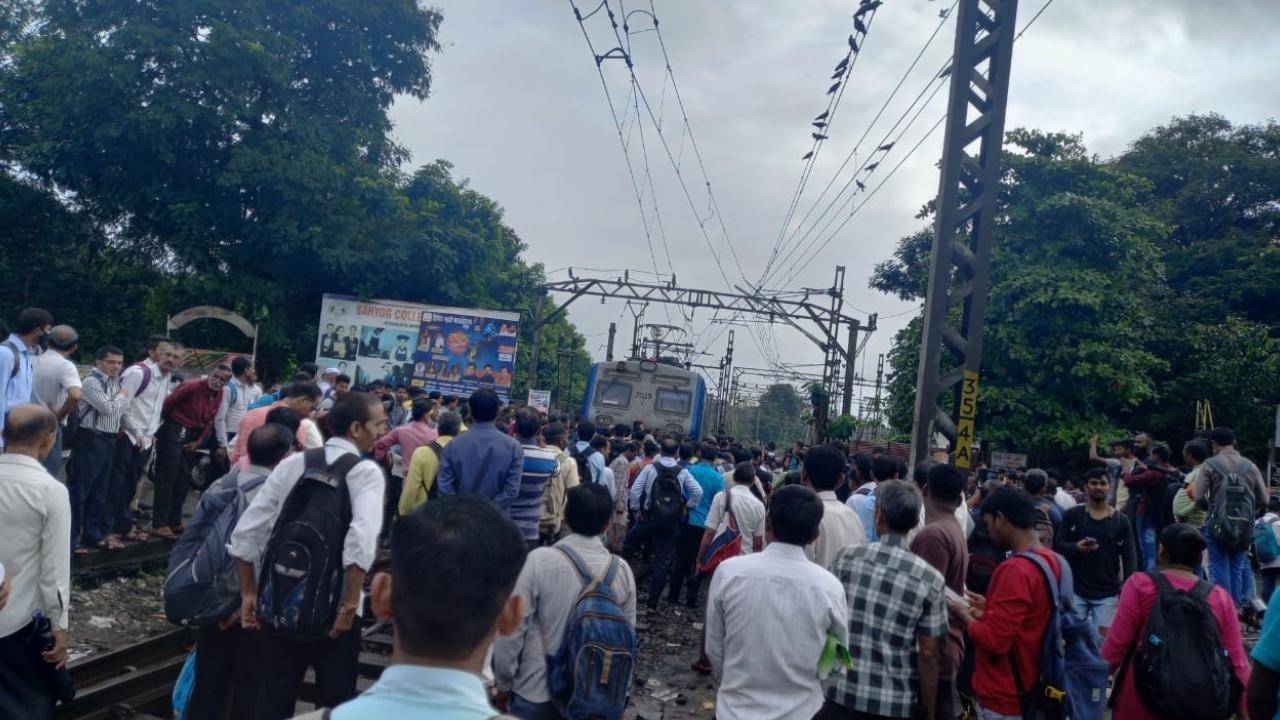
{"x": 104, "y": 401}
{"x": 540, "y": 464}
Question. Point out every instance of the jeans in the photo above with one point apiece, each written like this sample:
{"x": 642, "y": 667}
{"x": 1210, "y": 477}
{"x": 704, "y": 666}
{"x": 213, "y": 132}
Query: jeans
{"x": 1100, "y": 611}
{"x": 227, "y": 673}
{"x": 526, "y": 710}
{"x": 53, "y": 461}
{"x": 88, "y": 486}
{"x": 336, "y": 664}
{"x": 1227, "y": 567}
{"x": 1146, "y": 530}
{"x": 1269, "y": 577}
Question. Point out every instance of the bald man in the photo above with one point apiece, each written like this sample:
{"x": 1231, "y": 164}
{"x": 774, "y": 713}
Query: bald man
{"x": 55, "y": 383}
{"x": 35, "y": 549}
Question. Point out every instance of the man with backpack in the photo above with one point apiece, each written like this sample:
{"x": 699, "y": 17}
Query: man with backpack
{"x": 94, "y": 427}
{"x": 454, "y": 564}
{"x": 16, "y": 352}
{"x": 313, "y": 530}
{"x": 556, "y": 438}
{"x": 534, "y": 667}
{"x": 147, "y": 385}
{"x": 226, "y": 654}
{"x": 424, "y": 467}
{"x": 661, "y": 494}
{"x": 1027, "y": 602}
{"x": 242, "y": 391}
{"x": 591, "y": 462}
{"x": 1231, "y": 489}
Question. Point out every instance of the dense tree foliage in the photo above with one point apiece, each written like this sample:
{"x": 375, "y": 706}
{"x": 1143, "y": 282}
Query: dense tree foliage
{"x": 1122, "y": 291}
{"x": 237, "y": 153}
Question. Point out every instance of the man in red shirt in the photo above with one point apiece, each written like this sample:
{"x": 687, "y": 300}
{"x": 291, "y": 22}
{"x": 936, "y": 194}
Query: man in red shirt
{"x": 188, "y": 415}
{"x": 1013, "y": 616}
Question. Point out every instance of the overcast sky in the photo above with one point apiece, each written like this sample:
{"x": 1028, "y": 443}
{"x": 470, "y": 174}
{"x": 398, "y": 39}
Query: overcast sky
{"x": 517, "y": 106}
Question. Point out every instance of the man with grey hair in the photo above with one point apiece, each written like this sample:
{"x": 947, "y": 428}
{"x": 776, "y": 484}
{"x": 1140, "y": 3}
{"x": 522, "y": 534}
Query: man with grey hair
{"x": 897, "y": 616}
{"x": 55, "y": 383}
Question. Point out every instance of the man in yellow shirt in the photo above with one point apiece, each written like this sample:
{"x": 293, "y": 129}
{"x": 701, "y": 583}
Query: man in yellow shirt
{"x": 420, "y": 483}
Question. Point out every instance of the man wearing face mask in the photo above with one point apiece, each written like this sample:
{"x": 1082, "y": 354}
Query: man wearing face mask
{"x": 188, "y": 415}
{"x": 15, "y": 359}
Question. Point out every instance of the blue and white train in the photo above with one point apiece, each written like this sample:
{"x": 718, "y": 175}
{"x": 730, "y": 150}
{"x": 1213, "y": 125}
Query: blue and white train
{"x": 665, "y": 398}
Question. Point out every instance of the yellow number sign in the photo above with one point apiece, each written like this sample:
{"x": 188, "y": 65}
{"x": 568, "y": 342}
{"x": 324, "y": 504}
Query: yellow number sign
{"x": 964, "y": 424}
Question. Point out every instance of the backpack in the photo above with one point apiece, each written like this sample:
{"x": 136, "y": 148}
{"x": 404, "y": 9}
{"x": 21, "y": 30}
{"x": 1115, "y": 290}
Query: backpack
{"x": 1265, "y": 545}
{"x": 590, "y": 675}
{"x": 78, "y": 416}
{"x": 146, "y": 378}
{"x": 1231, "y": 510}
{"x": 265, "y": 400}
{"x": 201, "y": 586}
{"x": 1181, "y": 670}
{"x": 583, "y": 457}
{"x": 17, "y": 355}
{"x": 1044, "y": 522}
{"x": 666, "y": 497}
{"x": 302, "y": 576}
{"x": 984, "y": 556}
{"x": 433, "y": 492}
{"x": 1073, "y": 676}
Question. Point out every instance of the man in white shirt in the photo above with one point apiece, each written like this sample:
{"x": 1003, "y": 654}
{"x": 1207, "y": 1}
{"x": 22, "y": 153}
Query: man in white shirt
{"x": 823, "y": 470}
{"x": 35, "y": 551}
{"x": 147, "y": 385}
{"x": 550, "y": 584}
{"x": 769, "y": 615}
{"x": 16, "y": 353}
{"x": 242, "y": 391}
{"x": 357, "y": 421}
{"x": 56, "y": 384}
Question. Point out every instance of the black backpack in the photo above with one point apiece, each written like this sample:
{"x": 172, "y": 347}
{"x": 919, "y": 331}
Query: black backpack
{"x": 1231, "y": 510}
{"x": 666, "y": 497}
{"x": 1180, "y": 668}
{"x": 582, "y": 457}
{"x": 302, "y": 578}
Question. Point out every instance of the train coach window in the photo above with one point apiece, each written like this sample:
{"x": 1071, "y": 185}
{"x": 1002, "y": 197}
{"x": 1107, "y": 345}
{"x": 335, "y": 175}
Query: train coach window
{"x": 614, "y": 394}
{"x": 678, "y": 402}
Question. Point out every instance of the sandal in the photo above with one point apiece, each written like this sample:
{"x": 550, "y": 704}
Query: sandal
{"x": 137, "y": 534}
{"x": 164, "y": 533}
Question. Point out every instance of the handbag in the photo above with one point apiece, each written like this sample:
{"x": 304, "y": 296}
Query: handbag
{"x": 726, "y": 544}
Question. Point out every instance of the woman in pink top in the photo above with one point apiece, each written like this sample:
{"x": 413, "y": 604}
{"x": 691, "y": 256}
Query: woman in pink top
{"x": 1181, "y": 551}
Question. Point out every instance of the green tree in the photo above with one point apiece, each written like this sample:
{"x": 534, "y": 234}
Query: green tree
{"x": 780, "y": 415}
{"x": 1074, "y": 285}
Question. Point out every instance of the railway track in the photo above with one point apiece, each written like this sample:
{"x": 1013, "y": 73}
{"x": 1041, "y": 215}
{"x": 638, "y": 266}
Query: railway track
{"x": 98, "y": 565}
{"x": 137, "y": 681}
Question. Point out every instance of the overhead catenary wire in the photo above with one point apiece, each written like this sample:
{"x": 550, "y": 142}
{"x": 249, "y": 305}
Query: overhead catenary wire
{"x": 828, "y": 115}
{"x": 853, "y": 153}
{"x": 941, "y": 75}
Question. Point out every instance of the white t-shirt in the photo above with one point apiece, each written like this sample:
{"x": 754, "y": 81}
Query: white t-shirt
{"x": 748, "y": 511}
{"x": 53, "y": 375}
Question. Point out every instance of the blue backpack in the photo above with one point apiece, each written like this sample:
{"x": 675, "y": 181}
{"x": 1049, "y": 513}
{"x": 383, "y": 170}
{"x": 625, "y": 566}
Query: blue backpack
{"x": 1073, "y": 676}
{"x": 590, "y": 675}
{"x": 201, "y": 587}
{"x": 265, "y": 400}
{"x": 1264, "y": 542}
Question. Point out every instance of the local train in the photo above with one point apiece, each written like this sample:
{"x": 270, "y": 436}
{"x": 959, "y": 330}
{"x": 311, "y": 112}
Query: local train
{"x": 666, "y": 398}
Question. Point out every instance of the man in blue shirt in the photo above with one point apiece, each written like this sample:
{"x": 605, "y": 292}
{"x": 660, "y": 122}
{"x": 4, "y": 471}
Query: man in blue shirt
{"x": 711, "y": 481}
{"x": 483, "y": 460}
{"x": 595, "y": 459}
{"x": 15, "y": 359}
{"x": 466, "y": 546}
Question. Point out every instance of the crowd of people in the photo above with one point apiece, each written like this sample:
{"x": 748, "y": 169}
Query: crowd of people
{"x": 828, "y": 584}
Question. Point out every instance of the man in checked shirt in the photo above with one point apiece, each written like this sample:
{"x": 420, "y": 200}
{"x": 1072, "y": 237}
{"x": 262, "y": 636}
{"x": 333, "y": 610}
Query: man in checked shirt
{"x": 897, "y": 615}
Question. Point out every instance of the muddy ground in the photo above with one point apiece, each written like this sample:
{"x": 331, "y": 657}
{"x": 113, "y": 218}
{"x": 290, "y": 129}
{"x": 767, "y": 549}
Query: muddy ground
{"x": 116, "y": 613}
{"x": 664, "y": 686}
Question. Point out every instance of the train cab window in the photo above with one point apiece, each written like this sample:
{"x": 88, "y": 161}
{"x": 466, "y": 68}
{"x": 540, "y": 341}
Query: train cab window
{"x": 678, "y": 402}
{"x": 614, "y": 395}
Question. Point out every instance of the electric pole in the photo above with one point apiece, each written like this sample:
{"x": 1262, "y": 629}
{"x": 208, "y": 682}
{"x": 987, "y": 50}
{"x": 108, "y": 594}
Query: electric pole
{"x": 960, "y": 264}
